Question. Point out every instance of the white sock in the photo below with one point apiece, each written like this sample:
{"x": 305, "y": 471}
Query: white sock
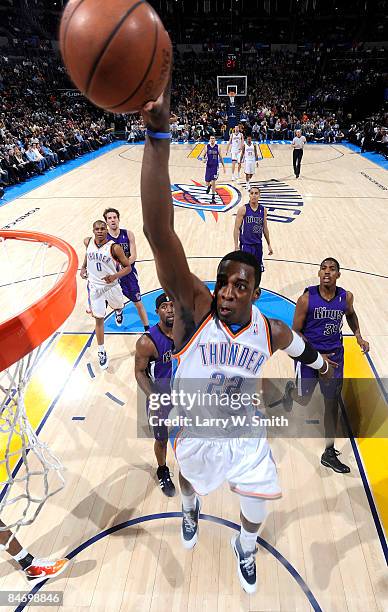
{"x": 248, "y": 540}
{"x": 23, "y": 553}
{"x": 101, "y": 348}
{"x": 189, "y": 502}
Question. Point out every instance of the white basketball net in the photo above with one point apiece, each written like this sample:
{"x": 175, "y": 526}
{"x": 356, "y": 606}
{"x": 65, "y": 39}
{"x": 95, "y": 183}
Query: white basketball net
{"x": 29, "y": 472}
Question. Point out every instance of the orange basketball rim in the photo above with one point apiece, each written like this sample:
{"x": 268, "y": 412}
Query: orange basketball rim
{"x": 22, "y": 333}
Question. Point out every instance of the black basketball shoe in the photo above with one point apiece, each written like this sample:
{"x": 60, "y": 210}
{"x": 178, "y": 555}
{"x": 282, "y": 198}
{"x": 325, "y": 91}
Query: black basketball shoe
{"x": 330, "y": 459}
{"x": 165, "y": 482}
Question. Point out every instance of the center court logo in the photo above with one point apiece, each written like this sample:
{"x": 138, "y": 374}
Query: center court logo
{"x": 283, "y": 203}
{"x": 195, "y": 197}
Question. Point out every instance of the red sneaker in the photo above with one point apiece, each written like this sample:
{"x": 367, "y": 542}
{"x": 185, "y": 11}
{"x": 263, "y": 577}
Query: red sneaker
{"x": 42, "y": 569}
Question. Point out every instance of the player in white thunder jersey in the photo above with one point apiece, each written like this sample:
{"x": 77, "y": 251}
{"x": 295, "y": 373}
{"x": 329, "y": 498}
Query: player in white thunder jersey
{"x": 235, "y": 145}
{"x": 222, "y": 337}
{"x": 250, "y": 159}
{"x": 100, "y": 268}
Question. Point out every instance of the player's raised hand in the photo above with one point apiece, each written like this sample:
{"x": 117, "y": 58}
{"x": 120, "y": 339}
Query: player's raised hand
{"x": 156, "y": 114}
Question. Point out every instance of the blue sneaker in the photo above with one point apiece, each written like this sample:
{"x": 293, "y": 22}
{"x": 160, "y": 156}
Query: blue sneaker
{"x": 246, "y": 566}
{"x": 189, "y": 529}
{"x": 103, "y": 360}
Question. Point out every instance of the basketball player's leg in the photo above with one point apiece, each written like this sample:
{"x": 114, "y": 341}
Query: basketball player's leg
{"x": 252, "y": 474}
{"x": 97, "y": 304}
{"x": 35, "y": 570}
{"x": 202, "y": 470}
{"x": 131, "y": 289}
{"x": 160, "y": 449}
{"x": 191, "y": 507}
{"x": 331, "y": 391}
{"x": 306, "y": 379}
{"x": 294, "y": 162}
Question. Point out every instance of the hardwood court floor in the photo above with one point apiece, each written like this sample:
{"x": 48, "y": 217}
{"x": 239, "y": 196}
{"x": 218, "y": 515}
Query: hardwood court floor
{"x": 321, "y": 548}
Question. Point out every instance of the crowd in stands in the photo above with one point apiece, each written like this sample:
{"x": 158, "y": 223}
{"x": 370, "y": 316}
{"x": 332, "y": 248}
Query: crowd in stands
{"x": 43, "y": 124}
{"x": 371, "y": 134}
{"x": 39, "y": 127}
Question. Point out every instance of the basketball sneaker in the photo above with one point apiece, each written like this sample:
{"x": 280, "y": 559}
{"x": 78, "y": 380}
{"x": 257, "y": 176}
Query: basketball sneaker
{"x": 287, "y": 399}
{"x": 119, "y": 317}
{"x": 103, "y": 360}
{"x": 246, "y": 566}
{"x": 165, "y": 482}
{"x": 42, "y": 569}
{"x": 330, "y": 459}
{"x": 189, "y": 530}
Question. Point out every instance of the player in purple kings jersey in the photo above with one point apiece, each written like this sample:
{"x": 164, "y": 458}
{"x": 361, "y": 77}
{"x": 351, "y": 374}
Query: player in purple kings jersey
{"x": 130, "y": 282}
{"x": 212, "y": 158}
{"x": 250, "y": 225}
{"x": 153, "y": 374}
{"x": 319, "y": 318}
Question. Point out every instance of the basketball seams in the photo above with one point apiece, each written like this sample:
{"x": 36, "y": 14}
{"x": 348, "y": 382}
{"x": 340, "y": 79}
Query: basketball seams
{"x": 108, "y": 42}
{"x": 67, "y": 27}
{"x": 150, "y": 64}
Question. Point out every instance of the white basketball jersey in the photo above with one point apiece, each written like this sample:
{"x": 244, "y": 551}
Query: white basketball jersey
{"x": 236, "y": 141}
{"x": 250, "y": 153}
{"x": 100, "y": 262}
{"x": 217, "y": 361}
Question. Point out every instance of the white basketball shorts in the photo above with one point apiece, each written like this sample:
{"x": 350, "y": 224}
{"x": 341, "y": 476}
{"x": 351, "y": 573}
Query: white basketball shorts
{"x": 98, "y": 296}
{"x": 236, "y": 155}
{"x": 246, "y": 464}
{"x": 250, "y": 168}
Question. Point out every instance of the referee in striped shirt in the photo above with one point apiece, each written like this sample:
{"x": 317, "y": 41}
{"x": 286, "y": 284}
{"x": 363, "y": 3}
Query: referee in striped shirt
{"x": 297, "y": 144}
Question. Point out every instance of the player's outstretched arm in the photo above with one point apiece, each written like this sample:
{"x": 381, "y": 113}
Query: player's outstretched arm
{"x": 284, "y": 338}
{"x": 158, "y": 213}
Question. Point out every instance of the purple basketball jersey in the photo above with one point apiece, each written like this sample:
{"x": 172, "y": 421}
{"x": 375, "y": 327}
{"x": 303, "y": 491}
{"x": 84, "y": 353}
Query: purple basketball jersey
{"x": 122, "y": 240}
{"x": 212, "y": 154}
{"x": 251, "y": 230}
{"x": 323, "y": 324}
{"x": 160, "y": 369}
{"x": 129, "y": 284}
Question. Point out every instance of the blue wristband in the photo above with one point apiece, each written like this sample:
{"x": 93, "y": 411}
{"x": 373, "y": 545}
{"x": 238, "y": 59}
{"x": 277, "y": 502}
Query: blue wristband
{"x": 159, "y": 135}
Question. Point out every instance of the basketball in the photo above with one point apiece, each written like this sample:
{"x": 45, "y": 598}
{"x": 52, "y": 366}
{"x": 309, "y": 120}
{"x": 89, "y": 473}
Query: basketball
{"x": 117, "y": 53}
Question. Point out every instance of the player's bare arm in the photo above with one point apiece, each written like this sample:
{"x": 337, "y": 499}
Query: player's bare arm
{"x": 145, "y": 350}
{"x": 83, "y": 272}
{"x": 266, "y": 233}
{"x": 221, "y": 160}
{"x": 158, "y": 217}
{"x": 256, "y": 155}
{"x": 132, "y": 247}
{"x": 118, "y": 254}
{"x": 353, "y": 323}
{"x": 300, "y": 313}
{"x": 237, "y": 224}
{"x": 229, "y": 144}
{"x": 242, "y": 154}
